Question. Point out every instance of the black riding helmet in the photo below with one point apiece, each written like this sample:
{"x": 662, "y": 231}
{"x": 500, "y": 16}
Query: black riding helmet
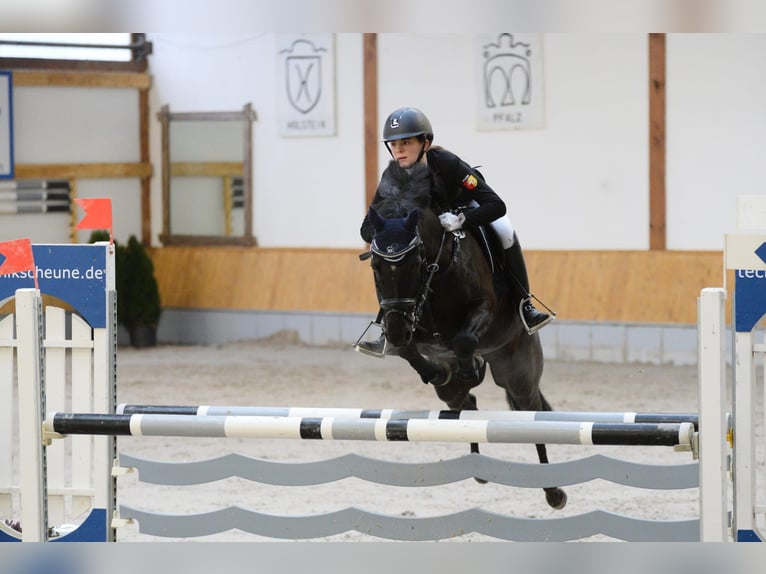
{"x": 407, "y": 123}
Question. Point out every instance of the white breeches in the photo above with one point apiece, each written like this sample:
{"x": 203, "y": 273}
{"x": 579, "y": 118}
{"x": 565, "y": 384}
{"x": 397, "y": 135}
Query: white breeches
{"x": 504, "y": 230}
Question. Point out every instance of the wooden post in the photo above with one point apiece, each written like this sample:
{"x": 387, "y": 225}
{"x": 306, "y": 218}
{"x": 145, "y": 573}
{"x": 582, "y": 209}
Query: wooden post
{"x": 146, "y": 181}
{"x": 163, "y": 116}
{"x": 73, "y": 215}
{"x": 657, "y": 191}
{"x": 370, "y": 116}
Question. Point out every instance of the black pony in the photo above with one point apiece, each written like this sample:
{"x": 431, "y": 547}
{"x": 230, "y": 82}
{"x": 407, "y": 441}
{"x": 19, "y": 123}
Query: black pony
{"x": 443, "y": 312}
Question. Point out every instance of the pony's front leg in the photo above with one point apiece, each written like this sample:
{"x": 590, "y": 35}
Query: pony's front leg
{"x": 430, "y": 372}
{"x": 471, "y": 368}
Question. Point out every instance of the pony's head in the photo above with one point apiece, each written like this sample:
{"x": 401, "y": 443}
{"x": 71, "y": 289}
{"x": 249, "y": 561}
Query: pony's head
{"x": 397, "y": 264}
{"x": 397, "y": 247}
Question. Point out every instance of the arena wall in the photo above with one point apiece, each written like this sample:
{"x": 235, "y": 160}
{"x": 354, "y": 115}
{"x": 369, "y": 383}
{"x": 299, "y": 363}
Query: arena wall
{"x": 612, "y": 306}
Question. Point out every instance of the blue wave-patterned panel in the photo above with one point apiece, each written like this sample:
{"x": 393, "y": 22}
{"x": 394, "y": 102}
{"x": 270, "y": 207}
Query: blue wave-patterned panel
{"x": 524, "y": 475}
{"x": 414, "y": 529}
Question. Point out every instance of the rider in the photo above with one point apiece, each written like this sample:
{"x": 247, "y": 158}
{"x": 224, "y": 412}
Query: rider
{"x": 408, "y": 136}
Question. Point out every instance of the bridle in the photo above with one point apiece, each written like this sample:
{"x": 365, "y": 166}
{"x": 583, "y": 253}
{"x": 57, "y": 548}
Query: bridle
{"x": 411, "y": 308}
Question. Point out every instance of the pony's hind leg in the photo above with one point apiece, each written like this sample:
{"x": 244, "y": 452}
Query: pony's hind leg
{"x": 555, "y": 496}
{"x": 518, "y": 372}
{"x": 474, "y": 445}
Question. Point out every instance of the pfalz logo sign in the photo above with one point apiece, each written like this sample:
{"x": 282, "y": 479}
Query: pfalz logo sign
{"x": 510, "y": 81}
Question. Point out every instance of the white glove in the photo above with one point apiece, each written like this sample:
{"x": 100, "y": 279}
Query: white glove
{"x": 452, "y": 222}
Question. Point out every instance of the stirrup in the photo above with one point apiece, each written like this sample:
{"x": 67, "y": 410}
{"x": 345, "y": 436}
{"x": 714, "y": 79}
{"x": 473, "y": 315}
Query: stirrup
{"x": 534, "y": 329}
{"x": 369, "y": 352}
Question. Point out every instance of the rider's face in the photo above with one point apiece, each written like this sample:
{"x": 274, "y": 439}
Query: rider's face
{"x": 406, "y": 151}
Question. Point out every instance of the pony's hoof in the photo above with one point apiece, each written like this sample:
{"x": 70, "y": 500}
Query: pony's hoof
{"x": 474, "y": 374}
{"x": 439, "y": 378}
{"x": 480, "y": 480}
{"x": 556, "y": 498}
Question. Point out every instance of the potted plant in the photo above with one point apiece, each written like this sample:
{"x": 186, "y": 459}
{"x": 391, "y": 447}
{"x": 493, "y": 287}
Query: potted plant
{"x": 138, "y": 296}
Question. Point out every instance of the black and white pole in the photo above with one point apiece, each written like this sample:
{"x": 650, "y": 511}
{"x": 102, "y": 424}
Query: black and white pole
{"x": 362, "y": 413}
{"x": 35, "y": 196}
{"x": 330, "y": 428}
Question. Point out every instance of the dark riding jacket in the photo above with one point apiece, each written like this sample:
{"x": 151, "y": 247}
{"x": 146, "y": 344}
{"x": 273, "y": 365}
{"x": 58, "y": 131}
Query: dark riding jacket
{"x": 455, "y": 184}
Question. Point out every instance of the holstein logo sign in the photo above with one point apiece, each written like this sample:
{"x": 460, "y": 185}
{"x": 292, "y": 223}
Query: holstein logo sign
{"x": 304, "y": 77}
{"x": 306, "y": 85}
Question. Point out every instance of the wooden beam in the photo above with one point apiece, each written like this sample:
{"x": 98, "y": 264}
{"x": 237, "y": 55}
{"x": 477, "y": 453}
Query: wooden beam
{"x": 82, "y": 170}
{"x": 73, "y": 65}
{"x": 657, "y": 184}
{"x": 370, "y": 116}
{"x": 81, "y": 79}
{"x": 206, "y": 168}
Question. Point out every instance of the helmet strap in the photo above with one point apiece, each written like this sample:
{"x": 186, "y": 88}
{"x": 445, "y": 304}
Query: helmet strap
{"x": 422, "y": 151}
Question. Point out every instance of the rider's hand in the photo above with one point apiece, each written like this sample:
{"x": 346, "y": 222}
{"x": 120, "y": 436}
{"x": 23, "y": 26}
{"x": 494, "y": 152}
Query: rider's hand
{"x": 452, "y": 222}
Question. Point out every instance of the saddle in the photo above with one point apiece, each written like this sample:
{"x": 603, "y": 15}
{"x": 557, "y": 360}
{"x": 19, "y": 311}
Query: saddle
{"x": 490, "y": 246}
{"x": 489, "y": 242}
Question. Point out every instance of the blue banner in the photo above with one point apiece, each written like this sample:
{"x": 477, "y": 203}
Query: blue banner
{"x": 749, "y": 298}
{"x": 76, "y": 274}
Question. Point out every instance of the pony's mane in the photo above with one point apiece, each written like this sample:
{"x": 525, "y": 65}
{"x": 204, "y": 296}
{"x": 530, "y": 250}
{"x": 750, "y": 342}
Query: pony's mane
{"x": 400, "y": 191}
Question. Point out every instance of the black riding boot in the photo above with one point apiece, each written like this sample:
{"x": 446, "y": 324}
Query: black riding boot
{"x": 377, "y": 347}
{"x": 518, "y": 281}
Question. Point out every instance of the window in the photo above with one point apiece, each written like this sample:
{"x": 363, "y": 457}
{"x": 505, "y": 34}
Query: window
{"x": 116, "y": 51}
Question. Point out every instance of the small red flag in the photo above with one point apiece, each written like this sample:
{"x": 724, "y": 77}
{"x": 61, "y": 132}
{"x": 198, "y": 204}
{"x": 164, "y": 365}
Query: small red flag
{"x": 18, "y": 256}
{"x": 98, "y": 213}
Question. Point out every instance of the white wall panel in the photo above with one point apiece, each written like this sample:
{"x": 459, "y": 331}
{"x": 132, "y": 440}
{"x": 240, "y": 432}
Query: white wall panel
{"x": 580, "y": 182}
{"x": 716, "y": 133}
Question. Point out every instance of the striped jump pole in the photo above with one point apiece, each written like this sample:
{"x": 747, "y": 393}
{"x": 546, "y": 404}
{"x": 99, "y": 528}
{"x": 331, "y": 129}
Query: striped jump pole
{"x": 35, "y": 196}
{"x": 354, "y": 413}
{"x": 330, "y": 428}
